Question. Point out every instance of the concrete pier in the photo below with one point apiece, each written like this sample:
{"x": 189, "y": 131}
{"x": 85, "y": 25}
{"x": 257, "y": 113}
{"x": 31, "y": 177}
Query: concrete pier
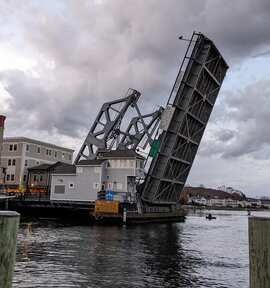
{"x": 9, "y": 222}
{"x": 259, "y": 252}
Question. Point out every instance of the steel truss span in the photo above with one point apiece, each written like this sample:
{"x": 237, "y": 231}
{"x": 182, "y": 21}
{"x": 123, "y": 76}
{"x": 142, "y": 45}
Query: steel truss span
{"x": 106, "y": 126}
{"x": 193, "y": 97}
{"x": 106, "y": 132}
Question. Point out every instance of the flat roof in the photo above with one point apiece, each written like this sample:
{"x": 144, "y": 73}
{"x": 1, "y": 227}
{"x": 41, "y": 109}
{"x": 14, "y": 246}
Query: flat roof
{"x": 56, "y": 168}
{"x": 127, "y": 153}
{"x": 34, "y": 141}
{"x": 95, "y": 162}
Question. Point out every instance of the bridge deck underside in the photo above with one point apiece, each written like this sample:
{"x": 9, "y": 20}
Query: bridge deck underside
{"x": 193, "y": 104}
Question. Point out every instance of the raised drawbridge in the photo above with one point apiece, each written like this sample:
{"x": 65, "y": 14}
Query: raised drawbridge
{"x": 184, "y": 120}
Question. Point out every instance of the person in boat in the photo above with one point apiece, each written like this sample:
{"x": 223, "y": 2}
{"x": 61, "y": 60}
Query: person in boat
{"x": 210, "y": 217}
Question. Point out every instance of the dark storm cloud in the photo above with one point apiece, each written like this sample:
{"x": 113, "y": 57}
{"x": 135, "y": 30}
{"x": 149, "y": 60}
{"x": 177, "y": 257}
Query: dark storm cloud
{"x": 98, "y": 49}
{"x": 251, "y": 113}
{"x": 262, "y": 54}
{"x": 248, "y": 110}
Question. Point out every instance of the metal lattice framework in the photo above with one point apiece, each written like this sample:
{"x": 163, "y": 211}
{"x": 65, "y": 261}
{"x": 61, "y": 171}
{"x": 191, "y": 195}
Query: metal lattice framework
{"x": 106, "y": 132}
{"x": 105, "y": 128}
{"x": 140, "y": 127}
{"x": 193, "y": 95}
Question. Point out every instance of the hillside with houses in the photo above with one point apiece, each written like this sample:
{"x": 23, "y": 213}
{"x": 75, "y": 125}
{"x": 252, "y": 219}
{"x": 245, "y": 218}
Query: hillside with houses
{"x": 223, "y": 197}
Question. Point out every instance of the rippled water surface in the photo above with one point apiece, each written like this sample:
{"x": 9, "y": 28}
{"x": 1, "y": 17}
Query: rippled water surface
{"x": 197, "y": 253}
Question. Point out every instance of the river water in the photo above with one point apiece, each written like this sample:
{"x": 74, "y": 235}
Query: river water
{"x": 197, "y": 253}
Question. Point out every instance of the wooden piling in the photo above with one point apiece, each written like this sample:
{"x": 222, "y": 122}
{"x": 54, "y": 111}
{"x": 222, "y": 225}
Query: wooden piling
{"x": 259, "y": 252}
{"x": 9, "y": 222}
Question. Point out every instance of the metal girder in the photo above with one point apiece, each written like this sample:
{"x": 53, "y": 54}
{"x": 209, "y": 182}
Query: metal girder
{"x": 141, "y": 129}
{"x": 106, "y": 126}
{"x": 193, "y": 97}
{"x": 106, "y": 133}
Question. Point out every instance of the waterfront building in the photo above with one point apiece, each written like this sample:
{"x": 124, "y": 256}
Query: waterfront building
{"x": 244, "y": 204}
{"x": 202, "y": 201}
{"x": 231, "y": 203}
{"x": 115, "y": 172}
{"x": 265, "y": 203}
{"x": 255, "y": 203}
{"x": 21, "y": 153}
{"x": 216, "y": 202}
{"x": 38, "y": 181}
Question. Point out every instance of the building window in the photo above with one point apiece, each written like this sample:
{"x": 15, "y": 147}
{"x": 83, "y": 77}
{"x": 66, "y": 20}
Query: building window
{"x": 112, "y": 163}
{"x": 24, "y": 178}
{"x": 59, "y": 189}
{"x": 38, "y": 149}
{"x": 55, "y": 154}
{"x": 47, "y": 151}
{"x": 69, "y": 157}
{"x": 71, "y": 185}
{"x": 9, "y": 162}
{"x": 25, "y": 163}
{"x": 96, "y": 186}
{"x": 13, "y": 162}
{"x": 131, "y": 163}
{"x": 119, "y": 186}
{"x": 63, "y": 155}
{"x": 27, "y": 147}
{"x": 13, "y": 147}
{"x": 40, "y": 178}
{"x": 35, "y": 178}
{"x": 50, "y": 152}
{"x": 8, "y": 177}
{"x": 12, "y": 177}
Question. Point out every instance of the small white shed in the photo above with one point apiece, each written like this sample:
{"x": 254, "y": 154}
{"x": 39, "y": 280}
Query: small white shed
{"x": 81, "y": 185}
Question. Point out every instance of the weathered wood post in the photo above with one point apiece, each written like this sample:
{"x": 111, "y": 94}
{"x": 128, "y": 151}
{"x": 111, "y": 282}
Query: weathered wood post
{"x": 9, "y": 222}
{"x": 259, "y": 252}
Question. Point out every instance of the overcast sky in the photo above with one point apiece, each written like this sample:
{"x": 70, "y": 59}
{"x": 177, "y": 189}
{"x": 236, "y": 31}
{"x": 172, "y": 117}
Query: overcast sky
{"x": 60, "y": 60}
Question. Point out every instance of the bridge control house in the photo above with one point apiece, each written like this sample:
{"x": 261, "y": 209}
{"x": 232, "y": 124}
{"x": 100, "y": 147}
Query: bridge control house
{"x": 114, "y": 171}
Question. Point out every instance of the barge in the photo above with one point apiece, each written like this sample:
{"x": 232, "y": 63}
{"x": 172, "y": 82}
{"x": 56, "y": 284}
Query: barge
{"x": 89, "y": 213}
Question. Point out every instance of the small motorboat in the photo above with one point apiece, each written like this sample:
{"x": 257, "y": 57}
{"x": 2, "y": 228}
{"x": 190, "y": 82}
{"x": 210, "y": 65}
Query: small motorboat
{"x": 210, "y": 217}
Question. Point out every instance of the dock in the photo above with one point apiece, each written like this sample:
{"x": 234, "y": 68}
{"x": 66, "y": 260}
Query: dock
{"x": 85, "y": 212}
{"x": 136, "y": 218}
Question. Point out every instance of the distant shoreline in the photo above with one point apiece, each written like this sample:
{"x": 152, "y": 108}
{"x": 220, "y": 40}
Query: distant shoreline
{"x": 189, "y": 207}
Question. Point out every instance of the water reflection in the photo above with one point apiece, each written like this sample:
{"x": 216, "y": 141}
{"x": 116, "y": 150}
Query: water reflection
{"x": 167, "y": 264}
{"x": 197, "y": 253}
{"x": 140, "y": 256}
